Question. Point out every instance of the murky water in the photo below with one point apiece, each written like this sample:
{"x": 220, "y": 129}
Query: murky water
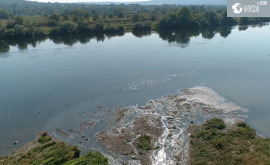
{"x": 58, "y": 86}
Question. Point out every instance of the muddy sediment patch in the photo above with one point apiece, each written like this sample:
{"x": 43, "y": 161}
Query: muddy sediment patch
{"x": 62, "y": 133}
{"x": 118, "y": 115}
{"x": 123, "y": 139}
{"x": 116, "y": 143}
{"x": 165, "y": 121}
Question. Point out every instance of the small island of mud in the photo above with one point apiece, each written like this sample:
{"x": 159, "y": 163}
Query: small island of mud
{"x": 164, "y": 124}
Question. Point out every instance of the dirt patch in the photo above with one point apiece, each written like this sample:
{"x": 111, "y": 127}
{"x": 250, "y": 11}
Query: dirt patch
{"x": 179, "y": 100}
{"x": 141, "y": 127}
{"x": 124, "y": 139}
{"x": 211, "y": 109}
{"x": 147, "y": 107}
{"x": 118, "y": 115}
{"x": 116, "y": 143}
{"x": 187, "y": 106}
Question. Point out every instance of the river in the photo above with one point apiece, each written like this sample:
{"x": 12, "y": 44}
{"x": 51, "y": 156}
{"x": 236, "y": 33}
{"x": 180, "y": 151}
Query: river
{"x": 55, "y": 83}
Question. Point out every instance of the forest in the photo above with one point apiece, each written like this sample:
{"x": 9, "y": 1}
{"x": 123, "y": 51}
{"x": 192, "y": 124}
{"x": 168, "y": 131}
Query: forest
{"x": 33, "y": 20}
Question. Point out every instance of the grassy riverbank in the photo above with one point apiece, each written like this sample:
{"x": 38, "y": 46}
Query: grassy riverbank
{"x": 47, "y": 151}
{"x": 214, "y": 143}
{"x": 210, "y": 143}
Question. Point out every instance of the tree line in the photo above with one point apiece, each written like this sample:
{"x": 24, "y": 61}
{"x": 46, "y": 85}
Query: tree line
{"x": 19, "y": 18}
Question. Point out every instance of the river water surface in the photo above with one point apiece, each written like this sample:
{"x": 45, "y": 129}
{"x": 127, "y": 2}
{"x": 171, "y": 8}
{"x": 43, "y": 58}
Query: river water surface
{"x": 55, "y": 85}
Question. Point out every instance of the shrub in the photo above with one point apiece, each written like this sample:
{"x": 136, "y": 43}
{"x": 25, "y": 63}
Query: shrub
{"x": 144, "y": 142}
{"x": 214, "y": 124}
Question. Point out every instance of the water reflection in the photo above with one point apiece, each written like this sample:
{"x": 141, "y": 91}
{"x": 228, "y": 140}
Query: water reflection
{"x": 141, "y": 33}
{"x": 242, "y": 28}
{"x": 4, "y": 47}
{"x": 181, "y": 37}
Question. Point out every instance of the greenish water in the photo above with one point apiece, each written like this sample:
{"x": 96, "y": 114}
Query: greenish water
{"x": 52, "y": 84}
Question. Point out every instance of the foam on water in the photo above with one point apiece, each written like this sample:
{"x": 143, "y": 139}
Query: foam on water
{"x": 209, "y": 97}
{"x": 153, "y": 82}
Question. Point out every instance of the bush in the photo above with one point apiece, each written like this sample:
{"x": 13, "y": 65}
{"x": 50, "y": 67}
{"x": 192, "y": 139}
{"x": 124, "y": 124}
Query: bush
{"x": 44, "y": 138}
{"x": 214, "y": 124}
{"x": 68, "y": 28}
{"x": 144, "y": 142}
{"x": 4, "y": 14}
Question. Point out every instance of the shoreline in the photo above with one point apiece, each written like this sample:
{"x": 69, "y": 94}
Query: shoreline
{"x": 160, "y": 131}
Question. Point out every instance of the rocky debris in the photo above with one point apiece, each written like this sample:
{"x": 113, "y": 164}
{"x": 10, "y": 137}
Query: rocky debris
{"x": 16, "y": 142}
{"x": 85, "y": 125}
{"x": 172, "y": 97}
{"x": 147, "y": 107}
{"x": 99, "y": 107}
{"x": 60, "y": 132}
{"x": 186, "y": 106}
{"x": 211, "y": 109}
{"x": 118, "y": 115}
{"x": 178, "y": 155}
{"x": 179, "y": 100}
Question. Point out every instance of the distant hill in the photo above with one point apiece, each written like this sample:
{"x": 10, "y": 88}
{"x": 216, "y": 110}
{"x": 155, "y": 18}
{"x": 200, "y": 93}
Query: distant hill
{"x": 170, "y": 2}
{"x": 151, "y": 2}
{"x": 187, "y": 2}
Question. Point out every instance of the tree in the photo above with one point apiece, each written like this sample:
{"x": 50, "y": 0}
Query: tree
{"x": 135, "y": 18}
{"x": 19, "y": 30}
{"x": 55, "y": 17}
{"x": 153, "y": 18}
{"x": 119, "y": 12}
{"x": 98, "y": 28}
{"x": 68, "y": 28}
{"x": 227, "y": 21}
{"x": 210, "y": 19}
{"x": 182, "y": 19}
{"x": 4, "y": 14}
{"x": 2, "y": 30}
{"x": 83, "y": 28}
{"x": 19, "y": 20}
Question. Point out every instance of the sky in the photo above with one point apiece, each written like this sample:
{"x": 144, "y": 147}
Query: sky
{"x": 74, "y": 1}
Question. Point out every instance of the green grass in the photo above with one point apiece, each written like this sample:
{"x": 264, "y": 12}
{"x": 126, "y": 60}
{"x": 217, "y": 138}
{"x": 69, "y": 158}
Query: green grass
{"x": 91, "y": 158}
{"x": 44, "y": 138}
{"x": 211, "y": 143}
{"x": 46, "y": 151}
{"x": 144, "y": 142}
